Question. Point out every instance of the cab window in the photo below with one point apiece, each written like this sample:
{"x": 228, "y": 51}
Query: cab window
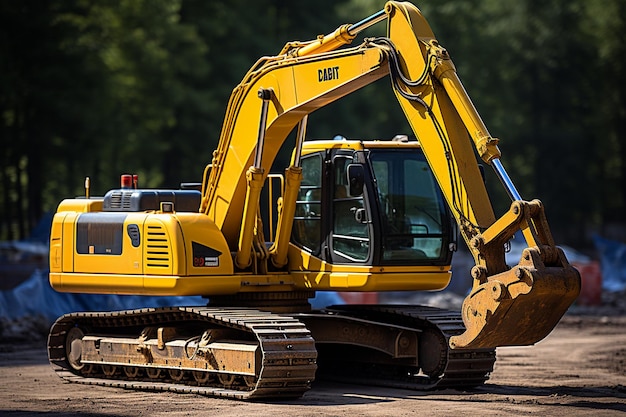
{"x": 414, "y": 222}
{"x": 351, "y": 226}
{"x": 307, "y": 221}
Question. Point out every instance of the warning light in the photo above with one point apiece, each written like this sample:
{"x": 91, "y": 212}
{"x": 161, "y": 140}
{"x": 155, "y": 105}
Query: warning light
{"x": 126, "y": 181}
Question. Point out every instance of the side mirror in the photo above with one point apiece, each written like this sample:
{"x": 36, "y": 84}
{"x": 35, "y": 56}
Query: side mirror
{"x": 356, "y": 179}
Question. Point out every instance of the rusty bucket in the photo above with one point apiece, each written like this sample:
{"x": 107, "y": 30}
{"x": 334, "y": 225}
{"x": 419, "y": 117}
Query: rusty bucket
{"x": 518, "y": 307}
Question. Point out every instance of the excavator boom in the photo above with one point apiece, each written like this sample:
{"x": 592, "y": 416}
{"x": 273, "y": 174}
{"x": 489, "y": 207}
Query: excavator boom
{"x": 449, "y": 130}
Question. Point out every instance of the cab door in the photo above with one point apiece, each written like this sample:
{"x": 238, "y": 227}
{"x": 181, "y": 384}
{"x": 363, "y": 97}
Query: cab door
{"x": 351, "y": 225}
{"x": 330, "y": 223}
{"x": 308, "y": 223}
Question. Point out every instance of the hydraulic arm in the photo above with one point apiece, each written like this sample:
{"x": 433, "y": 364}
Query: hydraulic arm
{"x": 532, "y": 295}
{"x": 537, "y": 292}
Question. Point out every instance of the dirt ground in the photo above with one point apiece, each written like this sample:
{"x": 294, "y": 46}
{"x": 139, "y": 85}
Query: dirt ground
{"x": 580, "y": 369}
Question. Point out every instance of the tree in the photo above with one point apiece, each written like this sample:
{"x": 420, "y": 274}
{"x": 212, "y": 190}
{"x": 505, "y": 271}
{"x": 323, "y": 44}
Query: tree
{"x": 99, "y": 89}
{"x": 89, "y": 90}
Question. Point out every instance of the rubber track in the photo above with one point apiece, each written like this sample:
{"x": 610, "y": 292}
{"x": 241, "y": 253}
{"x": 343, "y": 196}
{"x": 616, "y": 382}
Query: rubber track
{"x": 461, "y": 368}
{"x": 288, "y": 359}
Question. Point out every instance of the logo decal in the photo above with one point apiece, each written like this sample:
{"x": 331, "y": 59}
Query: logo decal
{"x": 327, "y": 74}
{"x": 204, "y": 256}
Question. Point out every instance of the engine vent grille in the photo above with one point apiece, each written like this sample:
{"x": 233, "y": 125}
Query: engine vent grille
{"x": 119, "y": 200}
{"x": 158, "y": 249}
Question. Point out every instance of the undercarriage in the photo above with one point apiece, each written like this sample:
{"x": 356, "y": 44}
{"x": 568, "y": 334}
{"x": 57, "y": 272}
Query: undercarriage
{"x": 246, "y": 353}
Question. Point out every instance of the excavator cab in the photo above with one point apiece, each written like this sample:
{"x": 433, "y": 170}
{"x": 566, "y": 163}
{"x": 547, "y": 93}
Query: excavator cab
{"x": 381, "y": 206}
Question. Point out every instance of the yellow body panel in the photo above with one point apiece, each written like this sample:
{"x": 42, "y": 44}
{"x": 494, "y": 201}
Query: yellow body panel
{"x": 165, "y": 260}
{"x": 372, "y": 281}
{"x": 130, "y": 262}
{"x": 80, "y": 205}
{"x": 166, "y": 285}
{"x": 312, "y": 273}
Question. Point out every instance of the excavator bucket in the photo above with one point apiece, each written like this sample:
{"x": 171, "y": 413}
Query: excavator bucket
{"x": 518, "y": 307}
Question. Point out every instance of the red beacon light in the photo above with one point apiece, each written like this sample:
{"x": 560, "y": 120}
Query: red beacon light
{"x": 126, "y": 181}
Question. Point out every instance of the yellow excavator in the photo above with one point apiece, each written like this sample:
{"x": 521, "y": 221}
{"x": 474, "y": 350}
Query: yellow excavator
{"x": 351, "y": 215}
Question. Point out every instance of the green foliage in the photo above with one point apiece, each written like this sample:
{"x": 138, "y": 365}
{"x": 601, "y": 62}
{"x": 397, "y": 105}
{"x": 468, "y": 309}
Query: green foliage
{"x": 101, "y": 88}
